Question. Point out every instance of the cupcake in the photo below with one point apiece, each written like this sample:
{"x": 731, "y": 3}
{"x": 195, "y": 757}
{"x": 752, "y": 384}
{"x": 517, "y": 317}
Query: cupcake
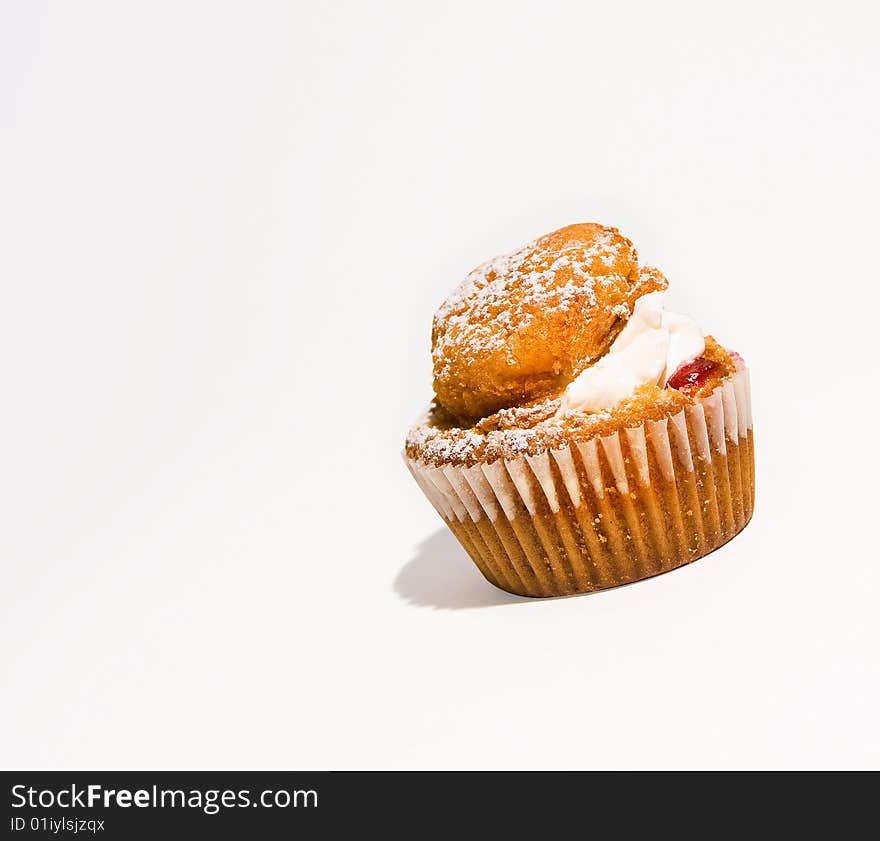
{"x": 582, "y": 436}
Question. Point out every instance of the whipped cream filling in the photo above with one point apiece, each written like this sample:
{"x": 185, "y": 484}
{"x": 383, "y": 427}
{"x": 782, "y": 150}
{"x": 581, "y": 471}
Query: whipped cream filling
{"x": 654, "y": 344}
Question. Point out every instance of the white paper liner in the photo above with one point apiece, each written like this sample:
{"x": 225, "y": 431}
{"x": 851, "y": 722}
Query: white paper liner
{"x": 608, "y": 510}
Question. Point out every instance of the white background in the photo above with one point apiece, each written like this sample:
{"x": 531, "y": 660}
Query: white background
{"x": 225, "y": 228}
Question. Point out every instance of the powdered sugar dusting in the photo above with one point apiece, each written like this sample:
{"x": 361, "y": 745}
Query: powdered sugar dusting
{"x": 484, "y": 310}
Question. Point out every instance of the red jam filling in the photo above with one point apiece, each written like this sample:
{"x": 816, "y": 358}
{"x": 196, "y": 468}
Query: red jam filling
{"x": 692, "y": 375}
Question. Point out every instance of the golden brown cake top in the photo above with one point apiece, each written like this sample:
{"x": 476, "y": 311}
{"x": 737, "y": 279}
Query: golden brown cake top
{"x": 565, "y": 339}
{"x": 523, "y": 325}
{"x": 536, "y": 426}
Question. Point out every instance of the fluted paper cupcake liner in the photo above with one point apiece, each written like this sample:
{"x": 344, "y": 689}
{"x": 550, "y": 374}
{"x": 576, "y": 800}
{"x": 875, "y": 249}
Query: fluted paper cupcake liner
{"x": 609, "y": 510}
